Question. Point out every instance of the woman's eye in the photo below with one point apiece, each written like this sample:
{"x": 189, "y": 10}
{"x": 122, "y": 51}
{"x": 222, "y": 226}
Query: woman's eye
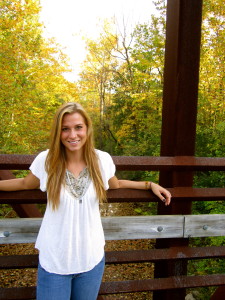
{"x": 64, "y": 129}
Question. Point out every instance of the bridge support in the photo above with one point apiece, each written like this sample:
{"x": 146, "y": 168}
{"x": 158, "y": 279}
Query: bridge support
{"x": 181, "y": 76}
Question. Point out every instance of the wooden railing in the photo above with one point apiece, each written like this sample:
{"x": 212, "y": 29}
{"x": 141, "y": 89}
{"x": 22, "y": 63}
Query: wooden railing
{"x": 139, "y": 227}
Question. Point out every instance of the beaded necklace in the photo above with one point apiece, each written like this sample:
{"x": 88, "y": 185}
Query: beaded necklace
{"x": 78, "y": 186}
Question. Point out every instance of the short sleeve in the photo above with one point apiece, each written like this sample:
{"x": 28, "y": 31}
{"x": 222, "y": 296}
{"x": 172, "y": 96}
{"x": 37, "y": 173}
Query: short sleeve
{"x": 107, "y": 167}
{"x": 38, "y": 169}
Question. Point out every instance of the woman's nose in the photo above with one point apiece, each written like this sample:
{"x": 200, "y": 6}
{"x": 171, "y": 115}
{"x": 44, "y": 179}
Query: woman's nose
{"x": 73, "y": 133}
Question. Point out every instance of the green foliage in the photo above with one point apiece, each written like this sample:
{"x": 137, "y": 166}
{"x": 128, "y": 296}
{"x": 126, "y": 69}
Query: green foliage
{"x": 32, "y": 83}
{"x": 122, "y": 80}
{"x": 211, "y": 110}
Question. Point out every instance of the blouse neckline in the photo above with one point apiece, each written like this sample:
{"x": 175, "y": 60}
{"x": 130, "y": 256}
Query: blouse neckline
{"x": 77, "y": 186}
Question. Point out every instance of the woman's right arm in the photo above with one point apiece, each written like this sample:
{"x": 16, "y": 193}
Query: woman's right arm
{"x": 29, "y": 182}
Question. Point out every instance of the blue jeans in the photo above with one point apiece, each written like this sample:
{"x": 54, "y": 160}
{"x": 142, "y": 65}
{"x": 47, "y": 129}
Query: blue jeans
{"x": 83, "y": 286}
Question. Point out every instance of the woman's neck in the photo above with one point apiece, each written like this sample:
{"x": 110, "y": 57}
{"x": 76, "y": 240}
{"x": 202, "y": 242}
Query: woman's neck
{"x": 74, "y": 157}
{"x": 76, "y": 168}
{"x": 75, "y": 162}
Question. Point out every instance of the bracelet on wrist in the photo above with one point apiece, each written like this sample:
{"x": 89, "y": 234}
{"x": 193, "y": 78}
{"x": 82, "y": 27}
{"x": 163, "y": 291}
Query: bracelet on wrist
{"x": 148, "y": 185}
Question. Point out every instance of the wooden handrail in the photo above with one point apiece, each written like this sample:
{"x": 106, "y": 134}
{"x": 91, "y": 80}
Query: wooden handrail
{"x": 24, "y": 230}
{"x": 123, "y": 195}
{"x": 130, "y": 286}
{"x": 126, "y": 256}
{"x": 132, "y": 163}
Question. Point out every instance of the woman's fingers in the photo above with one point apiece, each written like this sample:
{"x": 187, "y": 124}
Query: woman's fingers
{"x": 163, "y": 194}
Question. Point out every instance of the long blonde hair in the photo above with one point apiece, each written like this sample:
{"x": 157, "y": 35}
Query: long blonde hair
{"x": 56, "y": 159}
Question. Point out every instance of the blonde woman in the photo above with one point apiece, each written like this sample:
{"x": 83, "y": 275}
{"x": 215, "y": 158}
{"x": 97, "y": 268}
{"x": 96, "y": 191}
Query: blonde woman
{"x": 76, "y": 177}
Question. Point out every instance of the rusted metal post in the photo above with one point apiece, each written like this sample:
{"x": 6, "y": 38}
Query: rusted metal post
{"x": 219, "y": 293}
{"x": 181, "y": 76}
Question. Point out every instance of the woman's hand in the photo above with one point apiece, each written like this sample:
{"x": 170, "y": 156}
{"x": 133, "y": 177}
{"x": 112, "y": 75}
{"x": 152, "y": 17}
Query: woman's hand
{"x": 161, "y": 193}
{"x": 158, "y": 190}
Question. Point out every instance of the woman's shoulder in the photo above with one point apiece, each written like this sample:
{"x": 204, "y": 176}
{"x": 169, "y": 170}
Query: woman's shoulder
{"x": 104, "y": 157}
{"x": 107, "y": 165}
{"x": 102, "y": 154}
{"x": 42, "y": 155}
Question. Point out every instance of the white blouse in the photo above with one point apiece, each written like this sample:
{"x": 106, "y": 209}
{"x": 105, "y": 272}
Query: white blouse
{"x": 71, "y": 238}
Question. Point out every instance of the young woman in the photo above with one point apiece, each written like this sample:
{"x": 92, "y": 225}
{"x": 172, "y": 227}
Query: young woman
{"x": 76, "y": 177}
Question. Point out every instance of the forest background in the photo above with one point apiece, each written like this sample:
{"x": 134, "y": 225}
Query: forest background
{"x": 120, "y": 85}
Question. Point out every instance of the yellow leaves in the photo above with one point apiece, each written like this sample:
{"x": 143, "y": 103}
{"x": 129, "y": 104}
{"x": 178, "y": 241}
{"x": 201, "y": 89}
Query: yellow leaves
{"x": 32, "y": 83}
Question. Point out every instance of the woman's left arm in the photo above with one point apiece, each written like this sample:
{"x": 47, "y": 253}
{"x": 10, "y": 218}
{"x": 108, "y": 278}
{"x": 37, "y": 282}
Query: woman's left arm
{"x": 159, "y": 191}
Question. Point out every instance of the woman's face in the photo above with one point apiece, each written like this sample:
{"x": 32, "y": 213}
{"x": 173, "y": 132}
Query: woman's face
{"x": 74, "y": 132}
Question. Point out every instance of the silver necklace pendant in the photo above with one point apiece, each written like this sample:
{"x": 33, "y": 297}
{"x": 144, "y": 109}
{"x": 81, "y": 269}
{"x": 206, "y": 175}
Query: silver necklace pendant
{"x": 78, "y": 186}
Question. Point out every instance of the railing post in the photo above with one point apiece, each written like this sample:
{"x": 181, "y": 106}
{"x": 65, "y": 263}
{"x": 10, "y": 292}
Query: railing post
{"x": 219, "y": 293}
{"x": 181, "y": 76}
